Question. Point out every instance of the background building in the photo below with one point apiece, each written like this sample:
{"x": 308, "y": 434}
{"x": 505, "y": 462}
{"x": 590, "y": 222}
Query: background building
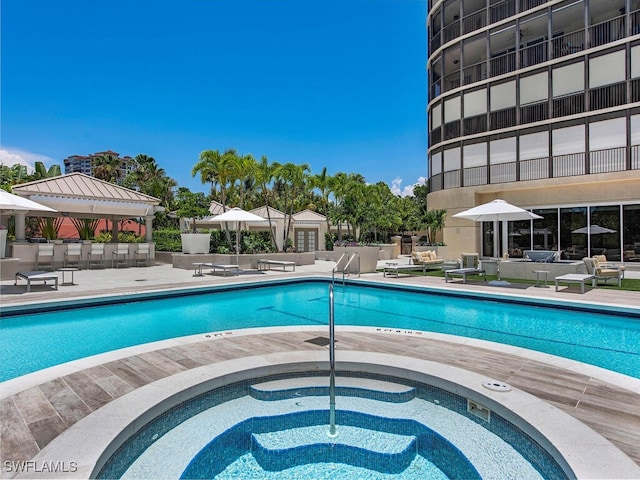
{"x": 83, "y": 164}
{"x": 537, "y": 102}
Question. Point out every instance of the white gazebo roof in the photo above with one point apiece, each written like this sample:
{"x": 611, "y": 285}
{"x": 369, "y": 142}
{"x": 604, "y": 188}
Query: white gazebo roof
{"x": 80, "y": 195}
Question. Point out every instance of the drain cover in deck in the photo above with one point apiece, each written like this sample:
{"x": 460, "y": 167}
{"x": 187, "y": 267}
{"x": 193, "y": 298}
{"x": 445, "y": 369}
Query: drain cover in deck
{"x": 321, "y": 341}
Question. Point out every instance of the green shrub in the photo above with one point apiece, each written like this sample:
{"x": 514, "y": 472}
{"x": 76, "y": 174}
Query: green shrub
{"x": 167, "y": 240}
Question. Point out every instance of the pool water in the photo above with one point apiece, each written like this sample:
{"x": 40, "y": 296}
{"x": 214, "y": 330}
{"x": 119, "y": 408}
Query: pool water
{"x": 31, "y": 342}
{"x": 244, "y": 431}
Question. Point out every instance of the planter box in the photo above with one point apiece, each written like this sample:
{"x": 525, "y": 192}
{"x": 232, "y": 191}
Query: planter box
{"x": 195, "y": 242}
{"x": 368, "y": 256}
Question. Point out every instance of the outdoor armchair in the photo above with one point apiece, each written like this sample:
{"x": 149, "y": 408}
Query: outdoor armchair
{"x": 599, "y": 273}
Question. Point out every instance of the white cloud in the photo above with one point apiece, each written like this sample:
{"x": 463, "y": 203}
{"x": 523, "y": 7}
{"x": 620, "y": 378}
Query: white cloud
{"x": 396, "y": 186}
{"x": 14, "y": 156}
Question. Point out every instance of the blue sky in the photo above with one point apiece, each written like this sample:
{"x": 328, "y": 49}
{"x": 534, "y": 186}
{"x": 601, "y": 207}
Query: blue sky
{"x": 335, "y": 83}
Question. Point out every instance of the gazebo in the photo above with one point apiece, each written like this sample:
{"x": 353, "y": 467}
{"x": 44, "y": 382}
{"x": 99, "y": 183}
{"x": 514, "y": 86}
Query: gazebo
{"x": 80, "y": 196}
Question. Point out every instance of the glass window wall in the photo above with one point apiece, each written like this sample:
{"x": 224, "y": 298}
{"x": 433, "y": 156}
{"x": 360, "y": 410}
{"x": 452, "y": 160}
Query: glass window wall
{"x": 631, "y": 232}
{"x": 572, "y": 241}
{"x": 604, "y": 232}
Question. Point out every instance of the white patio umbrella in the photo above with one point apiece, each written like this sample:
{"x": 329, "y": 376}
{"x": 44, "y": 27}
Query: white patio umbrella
{"x": 496, "y": 211}
{"x": 11, "y": 202}
{"x": 238, "y": 216}
{"x": 593, "y": 230}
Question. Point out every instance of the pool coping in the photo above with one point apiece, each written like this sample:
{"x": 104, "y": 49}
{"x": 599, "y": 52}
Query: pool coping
{"x": 89, "y": 442}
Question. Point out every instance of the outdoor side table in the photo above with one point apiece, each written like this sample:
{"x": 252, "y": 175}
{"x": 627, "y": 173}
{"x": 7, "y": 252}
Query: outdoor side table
{"x": 541, "y": 272}
{"x": 197, "y": 268}
{"x": 66, "y": 270}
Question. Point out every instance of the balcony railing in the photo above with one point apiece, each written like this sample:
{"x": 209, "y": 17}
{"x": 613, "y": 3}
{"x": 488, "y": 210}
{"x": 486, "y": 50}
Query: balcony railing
{"x": 534, "y": 112}
{"x": 451, "y": 31}
{"x": 451, "y": 130}
{"x": 503, "y": 172}
{"x": 474, "y": 21}
{"x": 528, "y": 4}
{"x": 475, "y": 176}
{"x": 568, "y": 105}
{"x": 475, "y": 73}
{"x": 567, "y": 44}
{"x": 435, "y": 42}
{"x": 568, "y": 165}
{"x": 608, "y": 96}
{"x": 600, "y": 161}
{"x": 608, "y": 31}
{"x": 503, "y": 64}
{"x": 533, "y": 54}
{"x": 534, "y": 169}
{"x": 452, "y": 179}
{"x": 476, "y": 124}
{"x": 635, "y": 157}
{"x": 435, "y": 183}
{"x": 609, "y": 160}
{"x": 502, "y": 118}
{"x": 502, "y": 10}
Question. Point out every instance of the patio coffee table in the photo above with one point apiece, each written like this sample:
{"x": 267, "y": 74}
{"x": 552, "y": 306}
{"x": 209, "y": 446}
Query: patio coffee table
{"x": 575, "y": 278}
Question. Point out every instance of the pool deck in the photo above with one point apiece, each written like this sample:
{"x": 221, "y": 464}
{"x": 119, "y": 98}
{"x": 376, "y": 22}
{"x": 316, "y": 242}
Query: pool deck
{"x": 37, "y": 409}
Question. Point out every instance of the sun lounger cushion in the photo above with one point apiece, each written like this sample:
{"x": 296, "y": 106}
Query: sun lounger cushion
{"x": 426, "y": 257}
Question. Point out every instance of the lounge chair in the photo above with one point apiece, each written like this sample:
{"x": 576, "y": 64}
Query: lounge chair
{"x": 599, "y": 273}
{"x": 36, "y": 276}
{"x": 73, "y": 254}
{"x": 266, "y": 264}
{"x": 470, "y": 266}
{"x": 96, "y": 250}
{"x": 224, "y": 267}
{"x": 44, "y": 255}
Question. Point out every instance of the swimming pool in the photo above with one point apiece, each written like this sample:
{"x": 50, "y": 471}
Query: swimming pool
{"x": 36, "y": 340}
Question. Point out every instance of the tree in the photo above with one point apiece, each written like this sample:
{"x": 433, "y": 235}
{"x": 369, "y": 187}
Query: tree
{"x": 323, "y": 182}
{"x": 216, "y": 169}
{"x": 40, "y": 171}
{"x": 264, "y": 176}
{"x": 435, "y": 222}
{"x": 191, "y": 205}
{"x": 292, "y": 181}
{"x": 107, "y": 168}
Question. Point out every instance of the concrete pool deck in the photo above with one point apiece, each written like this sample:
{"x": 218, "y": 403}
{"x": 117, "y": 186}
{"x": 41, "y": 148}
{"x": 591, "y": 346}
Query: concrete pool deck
{"x": 40, "y": 410}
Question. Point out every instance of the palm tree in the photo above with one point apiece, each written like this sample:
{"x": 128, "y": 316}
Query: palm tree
{"x": 293, "y": 180}
{"x": 435, "y": 222}
{"x": 217, "y": 169}
{"x": 324, "y": 182}
{"x": 264, "y": 177}
{"x": 107, "y": 168}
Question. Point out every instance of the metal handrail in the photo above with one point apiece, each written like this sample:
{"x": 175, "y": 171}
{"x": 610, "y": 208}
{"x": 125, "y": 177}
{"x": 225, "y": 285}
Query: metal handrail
{"x": 339, "y": 268}
{"x": 355, "y": 255}
{"x": 332, "y": 368}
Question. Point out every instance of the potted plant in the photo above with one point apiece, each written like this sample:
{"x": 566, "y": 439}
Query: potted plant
{"x": 193, "y": 205}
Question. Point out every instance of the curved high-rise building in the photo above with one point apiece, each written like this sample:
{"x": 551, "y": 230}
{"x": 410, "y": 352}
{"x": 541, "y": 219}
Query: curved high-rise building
{"x": 537, "y": 102}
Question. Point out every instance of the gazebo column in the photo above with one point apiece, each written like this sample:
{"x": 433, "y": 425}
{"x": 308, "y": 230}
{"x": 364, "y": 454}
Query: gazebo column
{"x": 20, "y": 225}
{"x": 148, "y": 223}
{"x": 114, "y": 230}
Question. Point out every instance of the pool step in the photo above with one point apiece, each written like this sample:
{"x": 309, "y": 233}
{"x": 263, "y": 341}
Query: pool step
{"x": 374, "y": 450}
{"x": 345, "y": 386}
